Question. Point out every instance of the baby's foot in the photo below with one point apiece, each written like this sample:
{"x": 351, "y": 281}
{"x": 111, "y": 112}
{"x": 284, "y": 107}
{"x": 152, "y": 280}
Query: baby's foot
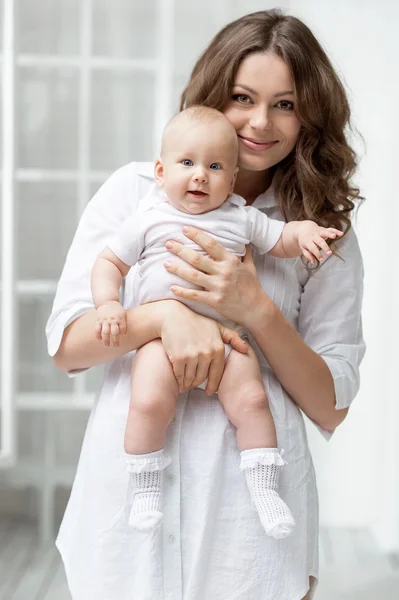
{"x": 145, "y": 486}
{"x": 145, "y": 513}
{"x": 274, "y": 514}
{"x": 262, "y": 469}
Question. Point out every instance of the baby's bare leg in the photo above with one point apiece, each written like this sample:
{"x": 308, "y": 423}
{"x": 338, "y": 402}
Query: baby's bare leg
{"x": 244, "y": 400}
{"x": 243, "y": 397}
{"x": 153, "y": 400}
{"x": 154, "y": 391}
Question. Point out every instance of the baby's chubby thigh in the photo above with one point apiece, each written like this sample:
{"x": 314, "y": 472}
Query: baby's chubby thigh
{"x": 241, "y": 390}
{"x": 154, "y": 388}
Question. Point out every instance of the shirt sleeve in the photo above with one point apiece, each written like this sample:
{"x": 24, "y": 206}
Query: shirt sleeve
{"x": 128, "y": 241}
{"x": 264, "y": 232}
{"x": 330, "y": 318}
{"x": 110, "y": 206}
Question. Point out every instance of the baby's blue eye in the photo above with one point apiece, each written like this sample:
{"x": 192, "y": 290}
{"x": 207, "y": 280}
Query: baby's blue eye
{"x": 215, "y": 166}
{"x": 187, "y": 162}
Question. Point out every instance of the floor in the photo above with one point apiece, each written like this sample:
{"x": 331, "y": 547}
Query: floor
{"x": 350, "y": 567}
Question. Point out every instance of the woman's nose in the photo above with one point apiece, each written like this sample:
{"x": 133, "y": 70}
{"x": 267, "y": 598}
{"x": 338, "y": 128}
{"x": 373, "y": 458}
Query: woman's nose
{"x": 260, "y": 120}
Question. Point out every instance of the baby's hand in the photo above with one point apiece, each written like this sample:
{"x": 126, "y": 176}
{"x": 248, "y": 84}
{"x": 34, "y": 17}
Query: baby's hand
{"x": 311, "y": 238}
{"x": 110, "y": 323}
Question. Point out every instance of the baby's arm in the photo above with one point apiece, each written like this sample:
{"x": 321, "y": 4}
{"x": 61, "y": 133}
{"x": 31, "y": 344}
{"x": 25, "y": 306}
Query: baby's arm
{"x": 287, "y": 240}
{"x": 304, "y": 237}
{"x": 106, "y": 280}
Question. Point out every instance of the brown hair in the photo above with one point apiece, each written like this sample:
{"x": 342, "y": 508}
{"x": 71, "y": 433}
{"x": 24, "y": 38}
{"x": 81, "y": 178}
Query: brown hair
{"x": 313, "y": 181}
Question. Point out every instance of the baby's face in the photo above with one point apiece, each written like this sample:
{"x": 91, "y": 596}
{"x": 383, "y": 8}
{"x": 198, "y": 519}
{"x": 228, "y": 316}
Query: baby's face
{"x": 198, "y": 168}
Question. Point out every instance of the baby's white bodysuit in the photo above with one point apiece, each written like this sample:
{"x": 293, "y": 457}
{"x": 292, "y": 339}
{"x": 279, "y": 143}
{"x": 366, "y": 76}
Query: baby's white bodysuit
{"x": 142, "y": 238}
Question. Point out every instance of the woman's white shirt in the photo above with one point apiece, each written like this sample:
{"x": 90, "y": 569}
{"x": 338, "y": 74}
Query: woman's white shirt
{"x": 211, "y": 544}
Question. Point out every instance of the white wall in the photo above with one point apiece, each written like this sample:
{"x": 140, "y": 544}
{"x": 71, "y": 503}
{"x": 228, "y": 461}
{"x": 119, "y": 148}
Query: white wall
{"x": 358, "y": 471}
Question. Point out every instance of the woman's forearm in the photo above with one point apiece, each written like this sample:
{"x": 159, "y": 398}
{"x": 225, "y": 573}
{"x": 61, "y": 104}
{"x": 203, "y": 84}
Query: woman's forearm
{"x": 80, "y": 348}
{"x": 300, "y": 370}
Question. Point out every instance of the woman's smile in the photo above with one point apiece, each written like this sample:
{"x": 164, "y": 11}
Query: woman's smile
{"x": 256, "y": 146}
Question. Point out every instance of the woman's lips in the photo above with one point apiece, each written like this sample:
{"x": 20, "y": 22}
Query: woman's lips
{"x": 256, "y": 146}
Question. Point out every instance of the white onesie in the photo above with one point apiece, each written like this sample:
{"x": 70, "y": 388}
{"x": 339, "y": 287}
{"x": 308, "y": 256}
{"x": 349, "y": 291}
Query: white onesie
{"x": 142, "y": 238}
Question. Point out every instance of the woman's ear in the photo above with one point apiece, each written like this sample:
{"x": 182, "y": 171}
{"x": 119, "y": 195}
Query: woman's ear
{"x": 158, "y": 173}
{"x": 233, "y": 181}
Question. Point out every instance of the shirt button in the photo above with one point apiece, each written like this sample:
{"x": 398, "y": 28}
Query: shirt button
{"x": 171, "y": 539}
{"x": 173, "y": 419}
{"x": 171, "y": 479}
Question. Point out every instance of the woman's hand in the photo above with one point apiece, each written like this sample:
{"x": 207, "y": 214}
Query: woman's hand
{"x": 231, "y": 286}
{"x": 195, "y": 345}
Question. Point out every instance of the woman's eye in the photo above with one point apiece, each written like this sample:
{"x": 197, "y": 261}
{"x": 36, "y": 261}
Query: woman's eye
{"x": 215, "y": 166}
{"x": 187, "y": 162}
{"x": 285, "y": 105}
{"x": 241, "y": 98}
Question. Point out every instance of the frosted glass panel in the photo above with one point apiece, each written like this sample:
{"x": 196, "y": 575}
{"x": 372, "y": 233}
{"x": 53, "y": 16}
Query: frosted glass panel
{"x": 47, "y": 119}
{"x": 47, "y": 219}
{"x": 122, "y": 118}
{"x": 179, "y": 83}
{"x": 195, "y": 24}
{"x": 48, "y": 26}
{"x": 124, "y": 28}
{"x": 36, "y": 371}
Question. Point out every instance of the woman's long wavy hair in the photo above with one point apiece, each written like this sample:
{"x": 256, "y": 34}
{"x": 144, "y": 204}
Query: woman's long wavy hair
{"x": 313, "y": 181}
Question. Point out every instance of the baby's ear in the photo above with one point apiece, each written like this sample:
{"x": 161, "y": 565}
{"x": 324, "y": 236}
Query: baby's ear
{"x": 158, "y": 173}
{"x": 233, "y": 180}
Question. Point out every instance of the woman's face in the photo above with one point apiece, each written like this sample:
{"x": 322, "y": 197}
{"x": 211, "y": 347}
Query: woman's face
{"x": 262, "y": 111}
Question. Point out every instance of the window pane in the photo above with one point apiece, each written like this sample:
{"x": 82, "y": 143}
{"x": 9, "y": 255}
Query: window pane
{"x": 195, "y": 24}
{"x": 124, "y": 28}
{"x": 36, "y": 371}
{"x": 122, "y": 114}
{"x": 46, "y": 223}
{"x": 48, "y": 26}
{"x": 47, "y": 118}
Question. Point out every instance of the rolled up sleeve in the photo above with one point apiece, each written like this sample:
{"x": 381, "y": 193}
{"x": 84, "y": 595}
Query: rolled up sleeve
{"x": 330, "y": 319}
{"x": 110, "y": 206}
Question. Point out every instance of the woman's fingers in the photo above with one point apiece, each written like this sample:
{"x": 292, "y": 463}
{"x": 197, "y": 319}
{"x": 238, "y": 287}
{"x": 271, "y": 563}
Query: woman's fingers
{"x": 202, "y": 371}
{"x": 212, "y": 247}
{"x": 189, "y": 373}
{"x": 186, "y": 273}
{"x": 178, "y": 367}
{"x": 215, "y": 374}
{"x": 194, "y": 258}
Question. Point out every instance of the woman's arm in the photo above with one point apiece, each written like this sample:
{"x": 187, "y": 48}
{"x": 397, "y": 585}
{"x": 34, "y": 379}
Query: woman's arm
{"x": 319, "y": 365}
{"x": 193, "y": 343}
{"x": 299, "y": 369}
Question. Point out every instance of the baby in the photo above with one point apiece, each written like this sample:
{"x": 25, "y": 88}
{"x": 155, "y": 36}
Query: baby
{"x": 195, "y": 175}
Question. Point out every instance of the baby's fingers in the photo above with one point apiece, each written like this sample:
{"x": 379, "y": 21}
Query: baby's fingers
{"x": 323, "y": 245}
{"x": 97, "y": 330}
{"x": 309, "y": 256}
{"x": 115, "y": 333}
{"x": 330, "y": 232}
{"x": 105, "y": 333}
{"x": 123, "y": 327}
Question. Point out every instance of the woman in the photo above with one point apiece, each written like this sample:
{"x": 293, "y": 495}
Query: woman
{"x": 273, "y": 81}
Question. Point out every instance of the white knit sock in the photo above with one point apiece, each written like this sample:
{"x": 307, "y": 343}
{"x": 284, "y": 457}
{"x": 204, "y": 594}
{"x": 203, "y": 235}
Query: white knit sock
{"x": 146, "y": 472}
{"x": 262, "y": 470}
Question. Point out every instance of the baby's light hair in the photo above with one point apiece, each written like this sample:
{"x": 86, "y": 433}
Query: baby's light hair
{"x": 198, "y": 115}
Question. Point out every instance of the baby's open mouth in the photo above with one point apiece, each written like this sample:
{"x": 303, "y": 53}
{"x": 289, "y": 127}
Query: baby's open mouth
{"x": 197, "y": 194}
